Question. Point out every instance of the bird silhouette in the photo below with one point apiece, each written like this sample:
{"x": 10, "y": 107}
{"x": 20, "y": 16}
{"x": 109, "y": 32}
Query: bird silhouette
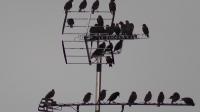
{"x": 175, "y": 97}
{"x": 112, "y": 7}
{"x": 95, "y": 6}
{"x": 82, "y": 5}
{"x": 113, "y": 97}
{"x": 109, "y": 48}
{"x": 87, "y": 98}
{"x": 148, "y": 97}
{"x": 99, "y": 51}
{"x": 50, "y": 94}
{"x": 161, "y": 98}
{"x": 100, "y": 21}
{"x": 118, "y": 46}
{"x": 109, "y": 30}
{"x": 188, "y": 101}
{"x": 123, "y": 28}
{"x": 68, "y": 6}
{"x": 145, "y": 30}
{"x": 117, "y": 29}
{"x": 131, "y": 25}
{"x": 70, "y": 22}
{"x": 109, "y": 60}
{"x": 127, "y": 27}
{"x": 132, "y": 98}
{"x": 102, "y": 95}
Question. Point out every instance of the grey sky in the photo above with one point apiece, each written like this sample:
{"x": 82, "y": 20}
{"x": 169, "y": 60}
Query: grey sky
{"x": 32, "y": 61}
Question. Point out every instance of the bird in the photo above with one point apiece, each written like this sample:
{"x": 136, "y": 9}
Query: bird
{"x": 123, "y": 28}
{"x": 188, "y": 101}
{"x": 82, "y": 5}
{"x": 127, "y": 27}
{"x": 145, "y": 30}
{"x": 131, "y": 25}
{"x": 109, "y": 30}
{"x": 132, "y": 98}
{"x": 117, "y": 29}
{"x": 113, "y": 96}
{"x": 99, "y": 51}
{"x": 112, "y": 7}
{"x": 70, "y": 22}
{"x": 148, "y": 97}
{"x": 87, "y": 98}
{"x": 68, "y": 6}
{"x": 95, "y": 6}
{"x": 161, "y": 98}
{"x": 50, "y": 94}
{"x": 175, "y": 97}
{"x": 102, "y": 95}
{"x": 109, "y": 48}
{"x": 109, "y": 60}
{"x": 118, "y": 46}
{"x": 100, "y": 21}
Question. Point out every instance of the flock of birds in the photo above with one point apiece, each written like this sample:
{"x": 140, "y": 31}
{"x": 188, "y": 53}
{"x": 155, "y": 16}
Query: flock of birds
{"x": 174, "y": 98}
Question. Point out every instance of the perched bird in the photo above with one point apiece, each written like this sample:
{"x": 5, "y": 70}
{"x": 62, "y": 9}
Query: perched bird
{"x": 109, "y": 48}
{"x": 112, "y": 7}
{"x": 99, "y": 51}
{"x": 102, "y": 45}
{"x": 132, "y": 98}
{"x": 145, "y": 30}
{"x": 50, "y": 94}
{"x": 100, "y": 21}
{"x": 127, "y": 27}
{"x": 188, "y": 101}
{"x": 148, "y": 97}
{"x": 118, "y": 46}
{"x": 109, "y": 30}
{"x": 109, "y": 60}
{"x": 117, "y": 29}
{"x": 68, "y": 6}
{"x": 70, "y": 22}
{"x": 175, "y": 97}
{"x": 113, "y": 97}
{"x": 131, "y": 25}
{"x": 123, "y": 28}
{"x": 161, "y": 98}
{"x": 95, "y": 6}
{"x": 82, "y": 5}
{"x": 102, "y": 95}
{"x": 87, "y": 97}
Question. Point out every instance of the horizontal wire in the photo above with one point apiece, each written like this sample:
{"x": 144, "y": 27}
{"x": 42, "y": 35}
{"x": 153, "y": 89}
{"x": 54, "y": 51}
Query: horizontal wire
{"x": 88, "y": 11}
{"x": 91, "y": 18}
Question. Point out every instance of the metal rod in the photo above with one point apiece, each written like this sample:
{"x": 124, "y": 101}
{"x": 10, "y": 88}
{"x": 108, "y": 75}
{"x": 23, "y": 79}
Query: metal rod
{"x": 63, "y": 46}
{"x": 86, "y": 63}
{"x": 89, "y": 12}
{"x": 87, "y": 50}
{"x": 63, "y": 28}
{"x": 91, "y": 19}
{"x": 72, "y": 41}
{"x": 84, "y": 26}
{"x": 74, "y": 56}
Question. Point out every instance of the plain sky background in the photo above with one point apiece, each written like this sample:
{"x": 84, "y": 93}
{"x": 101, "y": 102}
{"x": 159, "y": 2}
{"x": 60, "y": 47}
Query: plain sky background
{"x": 32, "y": 62}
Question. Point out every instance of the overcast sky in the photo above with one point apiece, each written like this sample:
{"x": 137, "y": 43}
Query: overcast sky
{"x": 32, "y": 62}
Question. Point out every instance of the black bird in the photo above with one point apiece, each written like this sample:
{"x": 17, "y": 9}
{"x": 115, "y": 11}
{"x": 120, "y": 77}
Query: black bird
{"x": 117, "y": 29}
{"x": 113, "y": 97}
{"x": 70, "y": 22}
{"x": 68, "y": 5}
{"x": 102, "y": 45}
{"x": 175, "y": 97}
{"x": 109, "y": 60}
{"x": 87, "y": 97}
{"x": 50, "y": 94}
{"x": 188, "y": 101}
{"x": 99, "y": 51}
{"x": 161, "y": 98}
{"x": 95, "y": 6}
{"x": 145, "y": 30}
{"x": 109, "y": 48}
{"x": 131, "y": 29}
{"x": 83, "y": 5}
{"x": 118, "y": 46}
{"x": 102, "y": 95}
{"x": 123, "y": 28}
{"x": 127, "y": 28}
{"x": 100, "y": 21}
{"x": 109, "y": 30}
{"x": 132, "y": 98}
{"x": 112, "y": 7}
{"x": 148, "y": 97}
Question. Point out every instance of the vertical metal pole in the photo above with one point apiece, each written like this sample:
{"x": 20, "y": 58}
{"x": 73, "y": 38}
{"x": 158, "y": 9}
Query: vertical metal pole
{"x": 98, "y": 82}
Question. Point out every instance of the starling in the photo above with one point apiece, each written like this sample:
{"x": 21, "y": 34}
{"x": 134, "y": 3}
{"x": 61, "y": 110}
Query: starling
{"x": 123, "y": 28}
{"x": 102, "y": 95}
{"x": 113, "y": 97}
{"x": 50, "y": 94}
{"x": 95, "y": 6}
{"x": 112, "y": 7}
{"x": 99, "y": 51}
{"x": 145, "y": 30}
{"x": 161, "y": 98}
{"x": 188, "y": 101}
{"x": 118, "y": 46}
{"x": 132, "y": 98}
{"x": 100, "y": 21}
{"x": 70, "y": 22}
{"x": 68, "y": 5}
{"x": 109, "y": 48}
{"x": 127, "y": 27}
{"x": 175, "y": 97}
{"x": 109, "y": 30}
{"x": 87, "y": 97}
{"x": 83, "y": 5}
{"x": 148, "y": 97}
{"x": 109, "y": 60}
{"x": 117, "y": 29}
{"x": 131, "y": 29}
